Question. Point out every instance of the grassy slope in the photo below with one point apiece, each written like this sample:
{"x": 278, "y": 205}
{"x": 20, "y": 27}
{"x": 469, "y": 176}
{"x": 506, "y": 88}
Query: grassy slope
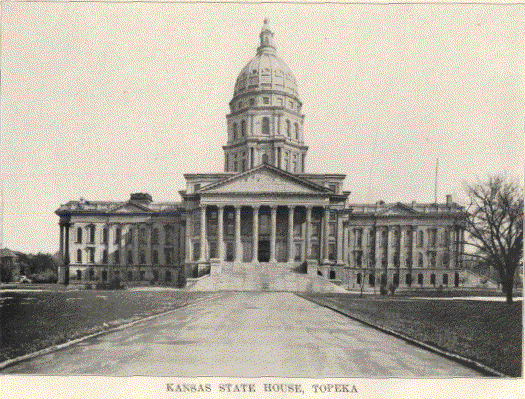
{"x": 489, "y": 332}
{"x": 36, "y": 320}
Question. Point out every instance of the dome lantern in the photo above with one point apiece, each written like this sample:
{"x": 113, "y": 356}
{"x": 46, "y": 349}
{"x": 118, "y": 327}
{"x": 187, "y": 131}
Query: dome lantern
{"x": 266, "y": 37}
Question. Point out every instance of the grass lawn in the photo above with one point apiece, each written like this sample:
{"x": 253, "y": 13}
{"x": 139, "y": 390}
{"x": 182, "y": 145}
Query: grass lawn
{"x": 489, "y": 332}
{"x": 30, "y": 321}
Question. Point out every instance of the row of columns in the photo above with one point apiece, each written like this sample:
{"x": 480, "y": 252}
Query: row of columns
{"x": 255, "y": 233}
{"x": 405, "y": 252}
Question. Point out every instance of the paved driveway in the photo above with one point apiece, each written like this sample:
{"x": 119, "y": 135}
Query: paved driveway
{"x": 246, "y": 334}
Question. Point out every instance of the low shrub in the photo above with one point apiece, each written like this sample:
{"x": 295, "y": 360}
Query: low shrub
{"x": 383, "y": 290}
{"x": 392, "y": 288}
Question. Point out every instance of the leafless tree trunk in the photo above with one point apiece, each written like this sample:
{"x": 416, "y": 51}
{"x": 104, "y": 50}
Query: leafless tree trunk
{"x": 495, "y": 226}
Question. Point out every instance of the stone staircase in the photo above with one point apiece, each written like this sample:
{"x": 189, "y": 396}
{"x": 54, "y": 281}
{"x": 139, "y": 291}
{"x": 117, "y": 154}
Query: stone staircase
{"x": 262, "y": 277}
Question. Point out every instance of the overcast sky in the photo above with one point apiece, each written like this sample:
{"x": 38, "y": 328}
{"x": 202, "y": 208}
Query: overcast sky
{"x": 102, "y": 100}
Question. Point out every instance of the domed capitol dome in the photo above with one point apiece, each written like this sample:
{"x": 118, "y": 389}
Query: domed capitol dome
{"x": 266, "y": 71}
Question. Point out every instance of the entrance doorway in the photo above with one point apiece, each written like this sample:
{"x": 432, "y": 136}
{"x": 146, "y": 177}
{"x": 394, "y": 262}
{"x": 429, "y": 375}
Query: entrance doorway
{"x": 264, "y": 251}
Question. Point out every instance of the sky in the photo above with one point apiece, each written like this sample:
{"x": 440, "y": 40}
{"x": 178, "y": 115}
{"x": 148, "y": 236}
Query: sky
{"x": 100, "y": 100}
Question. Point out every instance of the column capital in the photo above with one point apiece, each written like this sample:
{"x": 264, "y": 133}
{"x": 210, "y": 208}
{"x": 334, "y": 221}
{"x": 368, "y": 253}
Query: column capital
{"x": 273, "y": 206}
{"x": 292, "y": 207}
{"x": 237, "y": 207}
{"x": 220, "y": 206}
{"x": 256, "y": 207}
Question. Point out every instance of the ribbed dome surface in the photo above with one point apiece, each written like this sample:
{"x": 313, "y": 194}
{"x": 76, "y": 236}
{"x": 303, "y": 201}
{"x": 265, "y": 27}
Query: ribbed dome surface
{"x": 266, "y": 71}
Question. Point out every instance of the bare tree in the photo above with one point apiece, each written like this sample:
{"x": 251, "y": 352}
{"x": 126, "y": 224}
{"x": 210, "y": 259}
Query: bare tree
{"x": 495, "y": 226}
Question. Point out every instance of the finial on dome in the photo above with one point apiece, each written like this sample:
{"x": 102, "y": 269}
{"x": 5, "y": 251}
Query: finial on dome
{"x": 266, "y": 36}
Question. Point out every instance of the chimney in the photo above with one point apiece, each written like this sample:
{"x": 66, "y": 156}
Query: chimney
{"x": 142, "y": 198}
{"x": 449, "y": 199}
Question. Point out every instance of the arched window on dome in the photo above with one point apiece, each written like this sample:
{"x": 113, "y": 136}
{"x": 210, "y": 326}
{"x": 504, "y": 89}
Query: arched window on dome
{"x": 297, "y": 131}
{"x": 266, "y": 125}
{"x": 234, "y": 131}
{"x": 265, "y": 159}
{"x": 288, "y": 128}
{"x": 243, "y": 128}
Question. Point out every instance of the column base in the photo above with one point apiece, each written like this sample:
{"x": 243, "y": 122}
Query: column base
{"x": 311, "y": 267}
{"x": 215, "y": 266}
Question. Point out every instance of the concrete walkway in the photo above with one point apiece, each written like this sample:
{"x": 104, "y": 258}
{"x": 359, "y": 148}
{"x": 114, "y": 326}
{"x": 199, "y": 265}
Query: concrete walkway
{"x": 247, "y": 334}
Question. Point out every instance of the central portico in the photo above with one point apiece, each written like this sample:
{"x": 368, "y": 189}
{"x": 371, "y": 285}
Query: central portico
{"x": 262, "y": 215}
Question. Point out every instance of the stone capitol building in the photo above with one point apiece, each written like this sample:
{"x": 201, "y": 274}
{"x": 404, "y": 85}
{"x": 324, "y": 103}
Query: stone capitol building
{"x": 264, "y": 212}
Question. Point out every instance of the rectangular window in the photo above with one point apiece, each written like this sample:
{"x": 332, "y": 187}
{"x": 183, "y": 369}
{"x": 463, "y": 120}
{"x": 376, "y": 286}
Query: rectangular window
{"x": 117, "y": 257}
{"x": 358, "y": 235}
{"x": 91, "y": 234}
{"x": 266, "y": 100}
{"x": 433, "y": 237}
{"x": 196, "y": 251}
{"x": 105, "y": 235}
{"x": 168, "y": 252}
{"x": 213, "y": 250}
{"x": 315, "y": 229}
{"x": 332, "y": 228}
{"x": 331, "y": 251}
{"x": 155, "y": 256}
{"x": 91, "y": 252}
{"x": 155, "y": 236}
{"x": 105, "y": 256}
{"x": 118, "y": 236}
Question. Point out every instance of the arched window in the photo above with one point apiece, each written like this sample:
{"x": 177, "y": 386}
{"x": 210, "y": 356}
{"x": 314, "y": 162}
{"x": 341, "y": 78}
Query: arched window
{"x": 79, "y": 275}
{"x": 91, "y": 230}
{"x": 396, "y": 279}
{"x": 130, "y": 257}
{"x": 445, "y": 279}
{"x": 420, "y": 260}
{"x": 105, "y": 235}
{"x": 288, "y": 128}
{"x": 266, "y": 125}
{"x": 142, "y": 257}
{"x": 79, "y": 256}
{"x": 433, "y": 279}
{"x": 372, "y": 280}
{"x": 155, "y": 236}
{"x": 234, "y": 131}
{"x": 420, "y": 239}
{"x": 420, "y": 278}
{"x": 79, "y": 235}
{"x": 358, "y": 280}
{"x": 105, "y": 256}
{"x": 297, "y": 131}
{"x": 243, "y": 128}
{"x": 408, "y": 279}
{"x": 265, "y": 158}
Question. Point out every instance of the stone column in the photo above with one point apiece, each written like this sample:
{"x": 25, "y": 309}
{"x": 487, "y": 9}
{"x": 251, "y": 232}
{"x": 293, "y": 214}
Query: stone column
{"x": 202, "y": 256}
{"x": 308, "y": 228}
{"x": 390, "y": 246}
{"x": 220, "y": 232}
{"x": 291, "y": 246}
{"x": 149, "y": 227}
{"x": 339, "y": 247}
{"x": 378, "y": 247}
{"x": 67, "y": 227}
{"x": 238, "y": 248}
{"x": 61, "y": 243}
{"x": 326, "y": 222}
{"x": 255, "y": 233}
{"x": 189, "y": 246}
{"x": 273, "y": 226}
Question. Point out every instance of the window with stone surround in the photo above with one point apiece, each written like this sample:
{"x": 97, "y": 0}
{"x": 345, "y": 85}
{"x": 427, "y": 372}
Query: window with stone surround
{"x": 235, "y": 131}
{"x": 129, "y": 237}
{"x": 266, "y": 125}
{"x": 243, "y": 128}
{"x": 332, "y": 229}
{"x": 420, "y": 239}
{"x": 358, "y": 238}
{"x": 79, "y": 256}
{"x": 155, "y": 236}
{"x": 142, "y": 257}
{"x": 420, "y": 278}
{"x": 420, "y": 260}
{"x": 105, "y": 256}
{"x": 288, "y": 128}
{"x": 91, "y": 255}
{"x": 298, "y": 250}
{"x": 105, "y": 235}
{"x": 130, "y": 257}
{"x": 116, "y": 256}
{"x": 91, "y": 233}
{"x": 155, "y": 256}
{"x": 79, "y": 235}
{"x": 297, "y": 131}
{"x": 168, "y": 256}
{"x": 432, "y": 237}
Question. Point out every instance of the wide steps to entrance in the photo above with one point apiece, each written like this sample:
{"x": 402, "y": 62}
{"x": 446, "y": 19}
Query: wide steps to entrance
{"x": 263, "y": 277}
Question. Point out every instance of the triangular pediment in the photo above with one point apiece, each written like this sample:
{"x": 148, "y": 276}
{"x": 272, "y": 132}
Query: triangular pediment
{"x": 398, "y": 209}
{"x": 265, "y": 179}
{"x": 130, "y": 207}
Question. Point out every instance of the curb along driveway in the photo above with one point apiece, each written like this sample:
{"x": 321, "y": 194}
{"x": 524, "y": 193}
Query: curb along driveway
{"x": 246, "y": 334}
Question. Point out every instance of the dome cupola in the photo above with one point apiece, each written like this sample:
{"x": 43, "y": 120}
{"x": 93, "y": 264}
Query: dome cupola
{"x": 266, "y": 71}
